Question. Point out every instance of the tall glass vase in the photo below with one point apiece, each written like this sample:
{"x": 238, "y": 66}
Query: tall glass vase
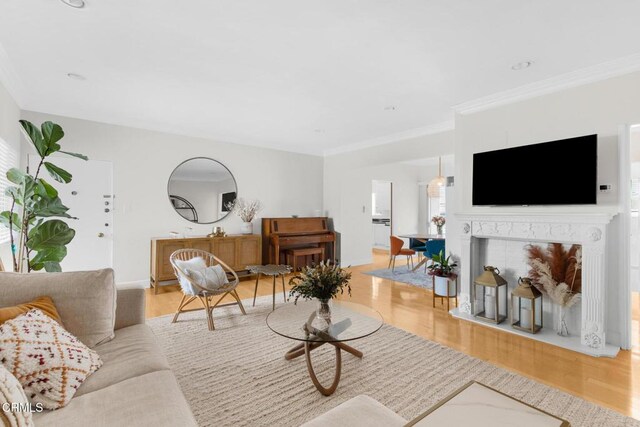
{"x": 561, "y": 321}
{"x": 439, "y": 227}
{"x": 323, "y": 314}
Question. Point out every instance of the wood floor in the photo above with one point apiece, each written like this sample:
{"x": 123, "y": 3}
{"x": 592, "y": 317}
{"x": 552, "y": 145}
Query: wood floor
{"x": 613, "y": 383}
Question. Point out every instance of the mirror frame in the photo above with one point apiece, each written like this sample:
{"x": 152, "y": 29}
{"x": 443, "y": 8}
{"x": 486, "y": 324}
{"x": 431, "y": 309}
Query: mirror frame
{"x": 188, "y": 160}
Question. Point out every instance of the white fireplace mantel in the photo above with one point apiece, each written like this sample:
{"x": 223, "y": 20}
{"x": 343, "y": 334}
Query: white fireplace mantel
{"x": 588, "y": 230}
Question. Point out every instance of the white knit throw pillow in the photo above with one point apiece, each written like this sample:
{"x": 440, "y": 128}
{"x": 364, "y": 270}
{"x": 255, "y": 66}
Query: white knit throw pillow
{"x": 14, "y": 406}
{"x": 48, "y": 361}
{"x": 211, "y": 278}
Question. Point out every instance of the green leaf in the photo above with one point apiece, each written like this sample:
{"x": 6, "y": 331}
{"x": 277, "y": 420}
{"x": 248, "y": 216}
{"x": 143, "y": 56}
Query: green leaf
{"x": 78, "y": 155}
{"x": 48, "y": 188}
{"x": 52, "y": 267}
{"x": 13, "y": 192}
{"x": 48, "y": 258}
{"x": 50, "y": 234}
{"x": 52, "y": 133}
{"x": 46, "y": 207}
{"x": 4, "y": 220}
{"x": 16, "y": 176}
{"x": 57, "y": 173}
{"x": 35, "y": 136}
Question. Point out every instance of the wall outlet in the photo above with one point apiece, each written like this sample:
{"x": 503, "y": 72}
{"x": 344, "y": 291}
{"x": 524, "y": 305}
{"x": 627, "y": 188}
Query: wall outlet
{"x": 604, "y": 188}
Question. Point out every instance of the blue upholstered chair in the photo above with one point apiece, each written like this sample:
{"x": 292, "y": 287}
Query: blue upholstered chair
{"x": 433, "y": 247}
{"x": 417, "y": 245}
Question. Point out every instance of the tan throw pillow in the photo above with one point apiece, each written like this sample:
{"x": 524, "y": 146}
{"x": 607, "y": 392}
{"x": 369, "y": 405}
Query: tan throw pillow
{"x": 14, "y": 406}
{"x": 48, "y": 361}
{"x": 45, "y": 304}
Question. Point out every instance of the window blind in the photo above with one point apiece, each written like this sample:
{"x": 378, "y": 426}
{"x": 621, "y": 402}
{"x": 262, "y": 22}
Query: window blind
{"x": 8, "y": 160}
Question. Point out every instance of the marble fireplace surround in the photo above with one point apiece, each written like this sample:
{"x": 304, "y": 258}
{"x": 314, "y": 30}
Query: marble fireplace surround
{"x": 588, "y": 230}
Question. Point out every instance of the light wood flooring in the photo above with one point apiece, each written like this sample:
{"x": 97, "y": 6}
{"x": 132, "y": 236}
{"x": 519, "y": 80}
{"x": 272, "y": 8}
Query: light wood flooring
{"x": 613, "y": 383}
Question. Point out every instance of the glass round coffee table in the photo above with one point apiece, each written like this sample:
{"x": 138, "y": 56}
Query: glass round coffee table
{"x": 348, "y": 322}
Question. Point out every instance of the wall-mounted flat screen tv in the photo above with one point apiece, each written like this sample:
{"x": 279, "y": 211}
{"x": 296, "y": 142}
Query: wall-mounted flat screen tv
{"x": 562, "y": 172}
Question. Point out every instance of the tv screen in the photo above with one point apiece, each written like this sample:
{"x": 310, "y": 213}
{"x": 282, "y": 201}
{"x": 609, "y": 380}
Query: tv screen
{"x": 562, "y": 172}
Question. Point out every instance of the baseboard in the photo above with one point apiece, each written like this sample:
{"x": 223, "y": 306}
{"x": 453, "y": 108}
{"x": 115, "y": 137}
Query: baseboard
{"x": 353, "y": 263}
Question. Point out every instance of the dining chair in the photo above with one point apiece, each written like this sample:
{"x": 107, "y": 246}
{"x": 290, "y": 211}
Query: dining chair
{"x": 417, "y": 245}
{"x": 397, "y": 249}
{"x": 193, "y": 291}
{"x": 433, "y": 247}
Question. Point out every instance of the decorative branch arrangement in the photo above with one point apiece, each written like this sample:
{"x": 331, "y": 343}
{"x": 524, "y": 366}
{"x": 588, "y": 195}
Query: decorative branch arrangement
{"x": 33, "y": 200}
{"x": 556, "y": 272}
{"x": 245, "y": 209}
{"x": 439, "y": 221}
{"x": 323, "y": 282}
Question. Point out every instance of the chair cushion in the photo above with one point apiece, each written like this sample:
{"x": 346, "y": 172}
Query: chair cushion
{"x": 44, "y": 304}
{"x": 212, "y": 278}
{"x": 150, "y": 400}
{"x": 361, "y": 411}
{"x": 133, "y": 352}
{"x": 407, "y": 252}
{"x": 49, "y": 362}
{"x": 194, "y": 264}
{"x": 85, "y": 300}
{"x": 11, "y": 392}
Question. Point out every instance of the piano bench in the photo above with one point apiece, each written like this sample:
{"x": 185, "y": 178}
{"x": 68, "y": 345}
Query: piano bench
{"x": 314, "y": 253}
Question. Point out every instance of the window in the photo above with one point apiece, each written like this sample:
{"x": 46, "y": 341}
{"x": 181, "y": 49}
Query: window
{"x": 437, "y": 207}
{"x": 8, "y": 160}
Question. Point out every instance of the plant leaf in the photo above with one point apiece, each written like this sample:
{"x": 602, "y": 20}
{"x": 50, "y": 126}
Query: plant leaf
{"x": 51, "y": 133}
{"x": 4, "y": 220}
{"x": 51, "y": 256}
{"x": 46, "y": 207}
{"x": 78, "y": 155}
{"x": 50, "y": 234}
{"x": 52, "y": 267}
{"x": 35, "y": 136}
{"x": 58, "y": 173}
{"x": 16, "y": 176}
{"x": 48, "y": 188}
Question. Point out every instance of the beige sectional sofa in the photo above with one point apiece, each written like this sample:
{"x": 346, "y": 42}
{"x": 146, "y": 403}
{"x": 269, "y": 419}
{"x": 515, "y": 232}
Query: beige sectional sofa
{"x": 135, "y": 386}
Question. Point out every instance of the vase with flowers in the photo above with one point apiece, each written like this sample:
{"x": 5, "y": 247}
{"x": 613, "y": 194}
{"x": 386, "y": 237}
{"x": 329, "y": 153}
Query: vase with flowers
{"x": 247, "y": 211}
{"x": 439, "y": 221}
{"x": 556, "y": 273}
{"x": 322, "y": 282}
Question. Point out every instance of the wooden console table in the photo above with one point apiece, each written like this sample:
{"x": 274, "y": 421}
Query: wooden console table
{"x": 237, "y": 251}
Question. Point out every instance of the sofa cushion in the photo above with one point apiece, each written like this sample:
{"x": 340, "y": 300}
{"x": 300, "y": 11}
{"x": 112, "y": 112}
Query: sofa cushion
{"x": 49, "y": 362}
{"x": 152, "y": 400}
{"x": 44, "y": 304}
{"x": 86, "y": 300}
{"x": 11, "y": 392}
{"x": 133, "y": 352}
{"x": 361, "y": 411}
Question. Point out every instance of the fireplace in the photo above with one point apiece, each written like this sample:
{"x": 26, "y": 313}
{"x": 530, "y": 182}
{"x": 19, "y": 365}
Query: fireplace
{"x": 480, "y": 232}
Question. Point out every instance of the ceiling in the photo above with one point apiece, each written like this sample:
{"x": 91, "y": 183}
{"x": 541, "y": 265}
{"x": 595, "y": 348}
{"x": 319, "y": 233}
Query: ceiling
{"x": 297, "y": 75}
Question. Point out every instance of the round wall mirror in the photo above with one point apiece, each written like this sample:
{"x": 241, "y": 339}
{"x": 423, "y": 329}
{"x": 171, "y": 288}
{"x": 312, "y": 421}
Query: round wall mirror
{"x": 201, "y": 190}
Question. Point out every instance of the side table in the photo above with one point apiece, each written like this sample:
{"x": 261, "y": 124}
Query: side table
{"x": 273, "y": 271}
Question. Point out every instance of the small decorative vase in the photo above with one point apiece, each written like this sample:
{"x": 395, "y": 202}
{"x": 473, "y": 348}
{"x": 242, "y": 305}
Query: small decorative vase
{"x": 439, "y": 230}
{"x": 246, "y": 228}
{"x": 561, "y": 321}
{"x": 323, "y": 314}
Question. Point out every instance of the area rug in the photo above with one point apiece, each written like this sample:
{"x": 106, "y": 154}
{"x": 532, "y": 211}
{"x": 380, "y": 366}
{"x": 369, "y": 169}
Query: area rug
{"x": 401, "y": 274}
{"x": 237, "y": 375}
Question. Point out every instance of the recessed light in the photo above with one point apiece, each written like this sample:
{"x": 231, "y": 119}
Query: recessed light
{"x": 522, "y": 65}
{"x": 390, "y": 108}
{"x": 78, "y": 4}
{"x": 75, "y": 76}
{"x": 318, "y": 130}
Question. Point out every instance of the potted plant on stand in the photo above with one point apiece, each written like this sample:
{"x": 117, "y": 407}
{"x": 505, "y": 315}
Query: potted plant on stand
{"x": 247, "y": 211}
{"x": 323, "y": 283}
{"x": 442, "y": 270}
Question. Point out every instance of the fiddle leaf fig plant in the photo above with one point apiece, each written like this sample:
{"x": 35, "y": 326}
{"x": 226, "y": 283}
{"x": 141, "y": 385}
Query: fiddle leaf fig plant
{"x": 35, "y": 212}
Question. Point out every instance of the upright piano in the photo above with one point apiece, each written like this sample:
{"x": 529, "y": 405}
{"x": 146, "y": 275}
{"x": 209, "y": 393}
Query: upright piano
{"x": 280, "y": 234}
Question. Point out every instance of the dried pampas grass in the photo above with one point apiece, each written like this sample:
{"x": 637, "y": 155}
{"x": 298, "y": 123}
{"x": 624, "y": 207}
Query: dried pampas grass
{"x": 556, "y": 272}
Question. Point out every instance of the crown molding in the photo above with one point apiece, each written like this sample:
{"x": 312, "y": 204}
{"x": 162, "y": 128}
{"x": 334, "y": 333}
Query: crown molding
{"x": 388, "y": 139}
{"x": 595, "y": 73}
{"x": 10, "y": 79}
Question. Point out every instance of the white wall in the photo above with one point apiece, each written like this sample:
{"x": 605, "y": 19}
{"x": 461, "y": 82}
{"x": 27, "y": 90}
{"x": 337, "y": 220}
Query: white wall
{"x": 10, "y": 133}
{"x": 143, "y": 160}
{"x": 594, "y": 108}
{"x": 347, "y": 189}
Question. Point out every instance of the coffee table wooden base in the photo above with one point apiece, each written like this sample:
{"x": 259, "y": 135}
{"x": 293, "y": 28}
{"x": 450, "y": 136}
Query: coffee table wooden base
{"x": 307, "y": 347}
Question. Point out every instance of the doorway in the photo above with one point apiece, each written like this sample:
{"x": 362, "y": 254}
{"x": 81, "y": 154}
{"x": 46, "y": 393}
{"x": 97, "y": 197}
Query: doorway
{"x": 89, "y": 197}
{"x": 634, "y": 231}
{"x": 381, "y": 213}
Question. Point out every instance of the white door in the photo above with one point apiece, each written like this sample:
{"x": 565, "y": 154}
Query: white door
{"x": 89, "y": 197}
